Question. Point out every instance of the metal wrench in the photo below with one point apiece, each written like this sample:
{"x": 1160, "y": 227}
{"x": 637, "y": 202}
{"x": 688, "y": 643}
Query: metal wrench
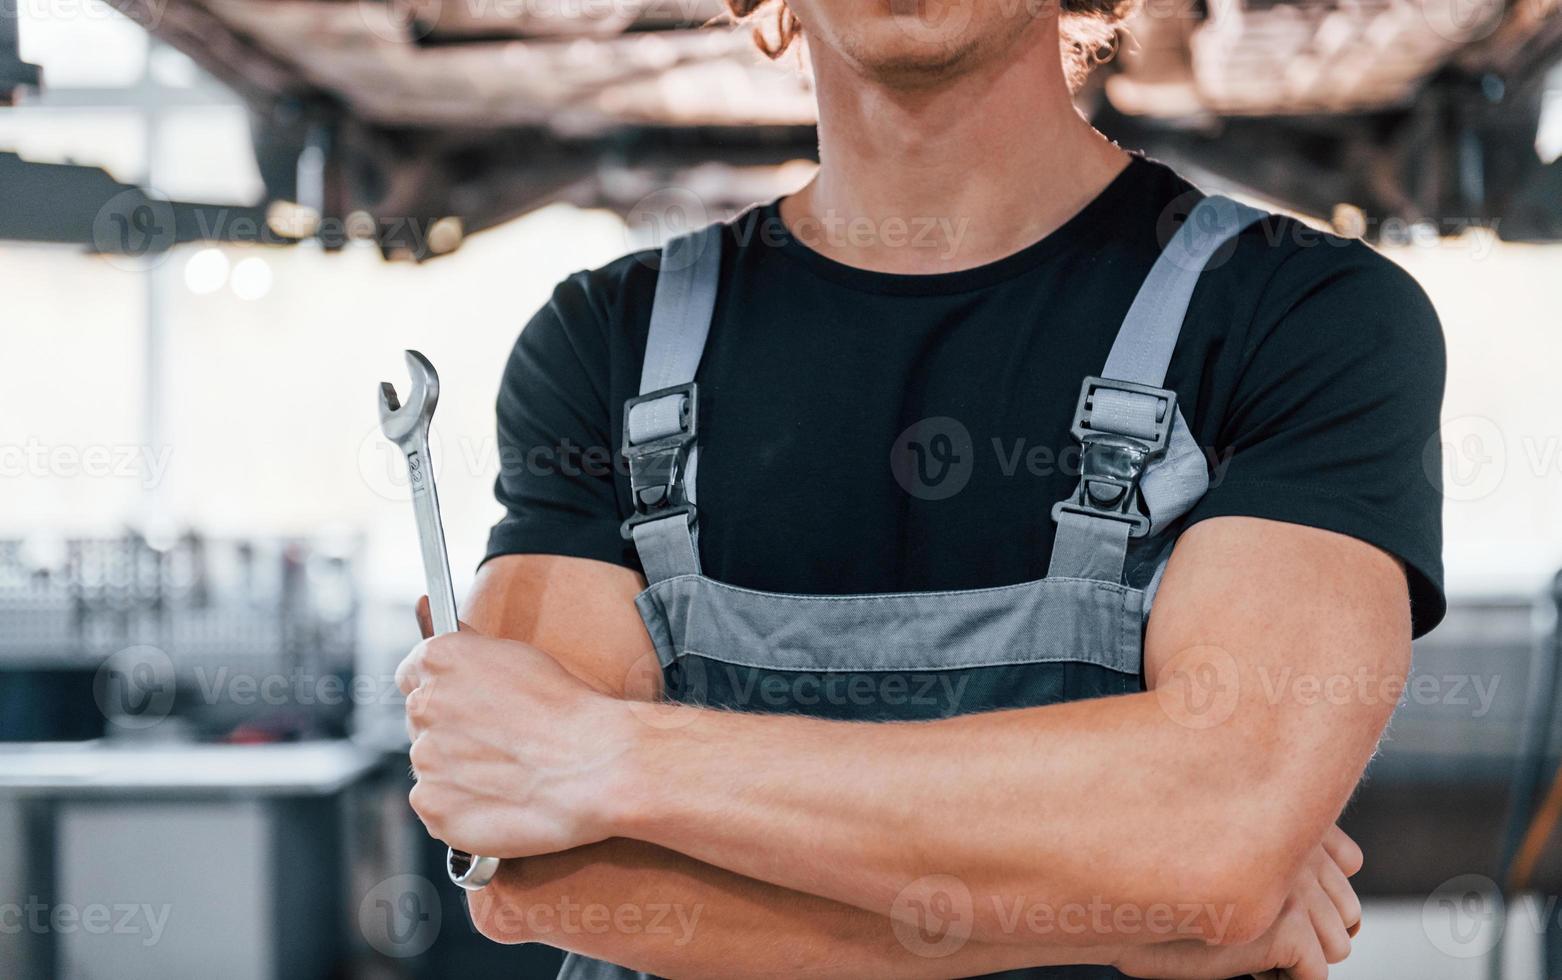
{"x": 407, "y": 426}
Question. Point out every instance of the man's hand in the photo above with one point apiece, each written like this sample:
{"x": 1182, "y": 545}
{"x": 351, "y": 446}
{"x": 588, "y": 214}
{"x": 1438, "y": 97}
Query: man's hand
{"x": 1314, "y": 929}
{"x": 510, "y": 750}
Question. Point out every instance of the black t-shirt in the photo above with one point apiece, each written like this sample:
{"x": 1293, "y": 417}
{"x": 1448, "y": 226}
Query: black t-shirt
{"x": 1310, "y": 369}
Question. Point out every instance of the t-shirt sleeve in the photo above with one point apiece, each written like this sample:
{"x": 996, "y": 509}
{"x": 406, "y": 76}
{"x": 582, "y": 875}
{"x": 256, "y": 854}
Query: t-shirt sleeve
{"x": 556, "y": 460}
{"x": 1334, "y": 420}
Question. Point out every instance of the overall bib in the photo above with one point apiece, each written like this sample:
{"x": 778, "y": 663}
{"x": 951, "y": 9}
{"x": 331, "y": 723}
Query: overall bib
{"x": 1077, "y": 633}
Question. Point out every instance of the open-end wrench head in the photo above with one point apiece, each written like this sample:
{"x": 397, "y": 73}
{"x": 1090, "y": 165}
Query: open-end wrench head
{"x": 402, "y": 422}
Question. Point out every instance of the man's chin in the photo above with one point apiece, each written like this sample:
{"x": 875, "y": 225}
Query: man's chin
{"x": 916, "y": 43}
{"x": 889, "y": 56}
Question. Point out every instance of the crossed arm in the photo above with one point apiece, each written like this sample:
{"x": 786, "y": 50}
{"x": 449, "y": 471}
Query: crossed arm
{"x": 800, "y": 843}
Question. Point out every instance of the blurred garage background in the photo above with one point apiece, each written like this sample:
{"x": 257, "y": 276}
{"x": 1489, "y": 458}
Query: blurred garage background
{"x": 221, "y": 221}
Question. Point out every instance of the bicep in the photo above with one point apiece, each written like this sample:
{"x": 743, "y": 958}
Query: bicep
{"x": 1296, "y": 638}
{"x": 1333, "y": 409}
{"x": 555, "y": 576}
{"x": 580, "y": 611}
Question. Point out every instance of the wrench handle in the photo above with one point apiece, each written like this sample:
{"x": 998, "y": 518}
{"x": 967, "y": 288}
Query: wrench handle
{"x": 468, "y": 871}
{"x": 431, "y": 539}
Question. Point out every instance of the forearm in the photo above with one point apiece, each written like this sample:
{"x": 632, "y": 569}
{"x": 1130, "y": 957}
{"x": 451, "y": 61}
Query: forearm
{"x": 1102, "y": 805}
{"x": 1136, "y": 803}
{"x": 657, "y": 911}
{"x": 1149, "y": 821}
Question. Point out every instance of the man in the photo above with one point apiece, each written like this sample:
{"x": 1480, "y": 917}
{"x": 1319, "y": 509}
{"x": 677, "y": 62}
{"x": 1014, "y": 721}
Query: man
{"x": 896, "y": 522}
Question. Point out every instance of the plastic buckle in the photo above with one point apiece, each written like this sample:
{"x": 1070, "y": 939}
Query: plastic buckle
{"x": 1112, "y": 463}
{"x": 656, "y": 467}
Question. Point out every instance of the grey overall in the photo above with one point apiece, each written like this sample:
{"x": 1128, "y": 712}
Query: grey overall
{"x": 909, "y": 656}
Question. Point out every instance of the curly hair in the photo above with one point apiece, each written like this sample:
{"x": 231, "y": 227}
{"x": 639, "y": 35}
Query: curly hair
{"x": 1088, "y": 28}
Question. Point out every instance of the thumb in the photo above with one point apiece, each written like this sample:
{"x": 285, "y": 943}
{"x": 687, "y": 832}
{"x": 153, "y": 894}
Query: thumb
{"x": 426, "y": 619}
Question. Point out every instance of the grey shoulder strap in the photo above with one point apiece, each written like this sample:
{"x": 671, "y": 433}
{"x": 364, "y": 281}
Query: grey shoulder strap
{"x": 1143, "y": 348}
{"x": 660, "y": 426}
{"x": 681, "y": 313}
{"x": 1136, "y": 444}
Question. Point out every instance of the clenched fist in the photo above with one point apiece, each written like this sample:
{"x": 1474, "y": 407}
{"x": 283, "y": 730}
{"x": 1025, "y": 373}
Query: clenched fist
{"x": 512, "y": 753}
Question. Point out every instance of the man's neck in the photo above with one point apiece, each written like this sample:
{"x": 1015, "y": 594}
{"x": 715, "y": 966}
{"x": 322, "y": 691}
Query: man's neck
{"x": 953, "y": 174}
